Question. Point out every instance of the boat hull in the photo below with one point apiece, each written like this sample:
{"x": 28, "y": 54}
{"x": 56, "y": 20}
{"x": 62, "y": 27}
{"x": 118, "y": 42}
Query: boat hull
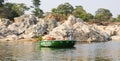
{"x": 57, "y": 43}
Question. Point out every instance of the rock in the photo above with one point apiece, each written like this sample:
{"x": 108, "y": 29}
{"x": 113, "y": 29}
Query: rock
{"x": 11, "y": 37}
{"x": 80, "y": 31}
{"x": 116, "y": 38}
{"x": 5, "y": 22}
{"x": 112, "y": 30}
{"x": 52, "y": 23}
{"x": 21, "y": 26}
{"x": 28, "y": 19}
{"x": 28, "y": 26}
{"x": 71, "y": 20}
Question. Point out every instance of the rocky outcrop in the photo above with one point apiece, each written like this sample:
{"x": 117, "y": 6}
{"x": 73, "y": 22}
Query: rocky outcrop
{"x": 80, "y": 31}
{"x": 112, "y": 30}
{"x": 5, "y": 22}
{"x": 25, "y": 26}
{"x": 22, "y": 27}
{"x": 28, "y": 26}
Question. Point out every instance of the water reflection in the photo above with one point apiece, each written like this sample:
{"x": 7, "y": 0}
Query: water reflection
{"x": 29, "y": 51}
{"x": 60, "y": 54}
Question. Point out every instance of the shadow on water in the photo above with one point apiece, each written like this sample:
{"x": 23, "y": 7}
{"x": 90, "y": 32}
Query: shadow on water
{"x": 56, "y": 49}
{"x": 56, "y": 54}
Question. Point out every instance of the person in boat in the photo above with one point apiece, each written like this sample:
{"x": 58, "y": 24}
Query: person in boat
{"x": 69, "y": 36}
{"x": 64, "y": 37}
{"x": 45, "y": 36}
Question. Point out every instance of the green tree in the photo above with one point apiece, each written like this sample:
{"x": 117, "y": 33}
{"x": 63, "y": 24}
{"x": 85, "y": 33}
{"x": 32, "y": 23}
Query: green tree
{"x": 1, "y": 3}
{"x": 103, "y": 14}
{"x": 36, "y": 3}
{"x": 4, "y": 12}
{"x": 79, "y": 12}
{"x": 37, "y": 11}
{"x": 11, "y": 13}
{"x": 113, "y": 19}
{"x": 89, "y": 17}
{"x": 65, "y": 9}
{"x": 13, "y": 10}
{"x": 118, "y": 18}
{"x": 20, "y": 8}
{"x": 54, "y": 10}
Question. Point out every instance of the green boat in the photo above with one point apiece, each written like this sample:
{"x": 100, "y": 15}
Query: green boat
{"x": 57, "y": 43}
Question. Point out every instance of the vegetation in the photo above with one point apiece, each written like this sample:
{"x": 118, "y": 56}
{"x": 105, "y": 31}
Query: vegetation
{"x": 118, "y": 18}
{"x": 65, "y": 9}
{"x": 11, "y": 10}
{"x": 81, "y": 13}
{"x": 15, "y": 10}
{"x": 103, "y": 14}
{"x": 37, "y": 11}
{"x": 1, "y": 3}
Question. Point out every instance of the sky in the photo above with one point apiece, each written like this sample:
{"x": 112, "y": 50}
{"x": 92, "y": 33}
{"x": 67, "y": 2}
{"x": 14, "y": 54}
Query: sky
{"x": 89, "y": 5}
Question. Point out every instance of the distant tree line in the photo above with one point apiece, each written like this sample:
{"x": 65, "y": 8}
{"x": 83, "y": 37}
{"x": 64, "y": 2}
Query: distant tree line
{"x": 101, "y": 14}
{"x": 11, "y": 10}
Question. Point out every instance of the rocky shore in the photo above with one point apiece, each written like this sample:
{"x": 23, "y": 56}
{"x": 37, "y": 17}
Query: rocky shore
{"x": 26, "y": 27}
{"x": 112, "y": 30}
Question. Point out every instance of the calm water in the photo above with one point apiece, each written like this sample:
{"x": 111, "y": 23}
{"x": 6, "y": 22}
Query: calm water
{"x": 28, "y": 51}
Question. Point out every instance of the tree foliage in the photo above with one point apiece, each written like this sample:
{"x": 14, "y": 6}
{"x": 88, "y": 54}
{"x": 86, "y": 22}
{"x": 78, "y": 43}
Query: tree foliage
{"x": 4, "y": 12}
{"x": 67, "y": 9}
{"x": 118, "y": 18}
{"x": 19, "y": 8}
{"x": 89, "y": 17}
{"x": 11, "y": 13}
{"x": 37, "y": 11}
{"x": 64, "y": 9}
{"x": 11, "y": 10}
{"x": 54, "y": 10}
{"x": 1, "y": 3}
{"x": 79, "y": 12}
{"x": 103, "y": 14}
{"x": 36, "y": 3}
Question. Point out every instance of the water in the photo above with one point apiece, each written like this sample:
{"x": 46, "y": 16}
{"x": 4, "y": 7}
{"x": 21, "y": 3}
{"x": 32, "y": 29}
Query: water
{"x": 29, "y": 51}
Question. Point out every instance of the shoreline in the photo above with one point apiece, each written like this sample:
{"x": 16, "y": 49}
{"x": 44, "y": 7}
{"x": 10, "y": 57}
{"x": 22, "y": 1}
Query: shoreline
{"x": 20, "y": 40}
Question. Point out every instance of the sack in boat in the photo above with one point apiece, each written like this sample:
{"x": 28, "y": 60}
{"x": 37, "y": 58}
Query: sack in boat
{"x": 47, "y": 37}
{"x": 50, "y": 38}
